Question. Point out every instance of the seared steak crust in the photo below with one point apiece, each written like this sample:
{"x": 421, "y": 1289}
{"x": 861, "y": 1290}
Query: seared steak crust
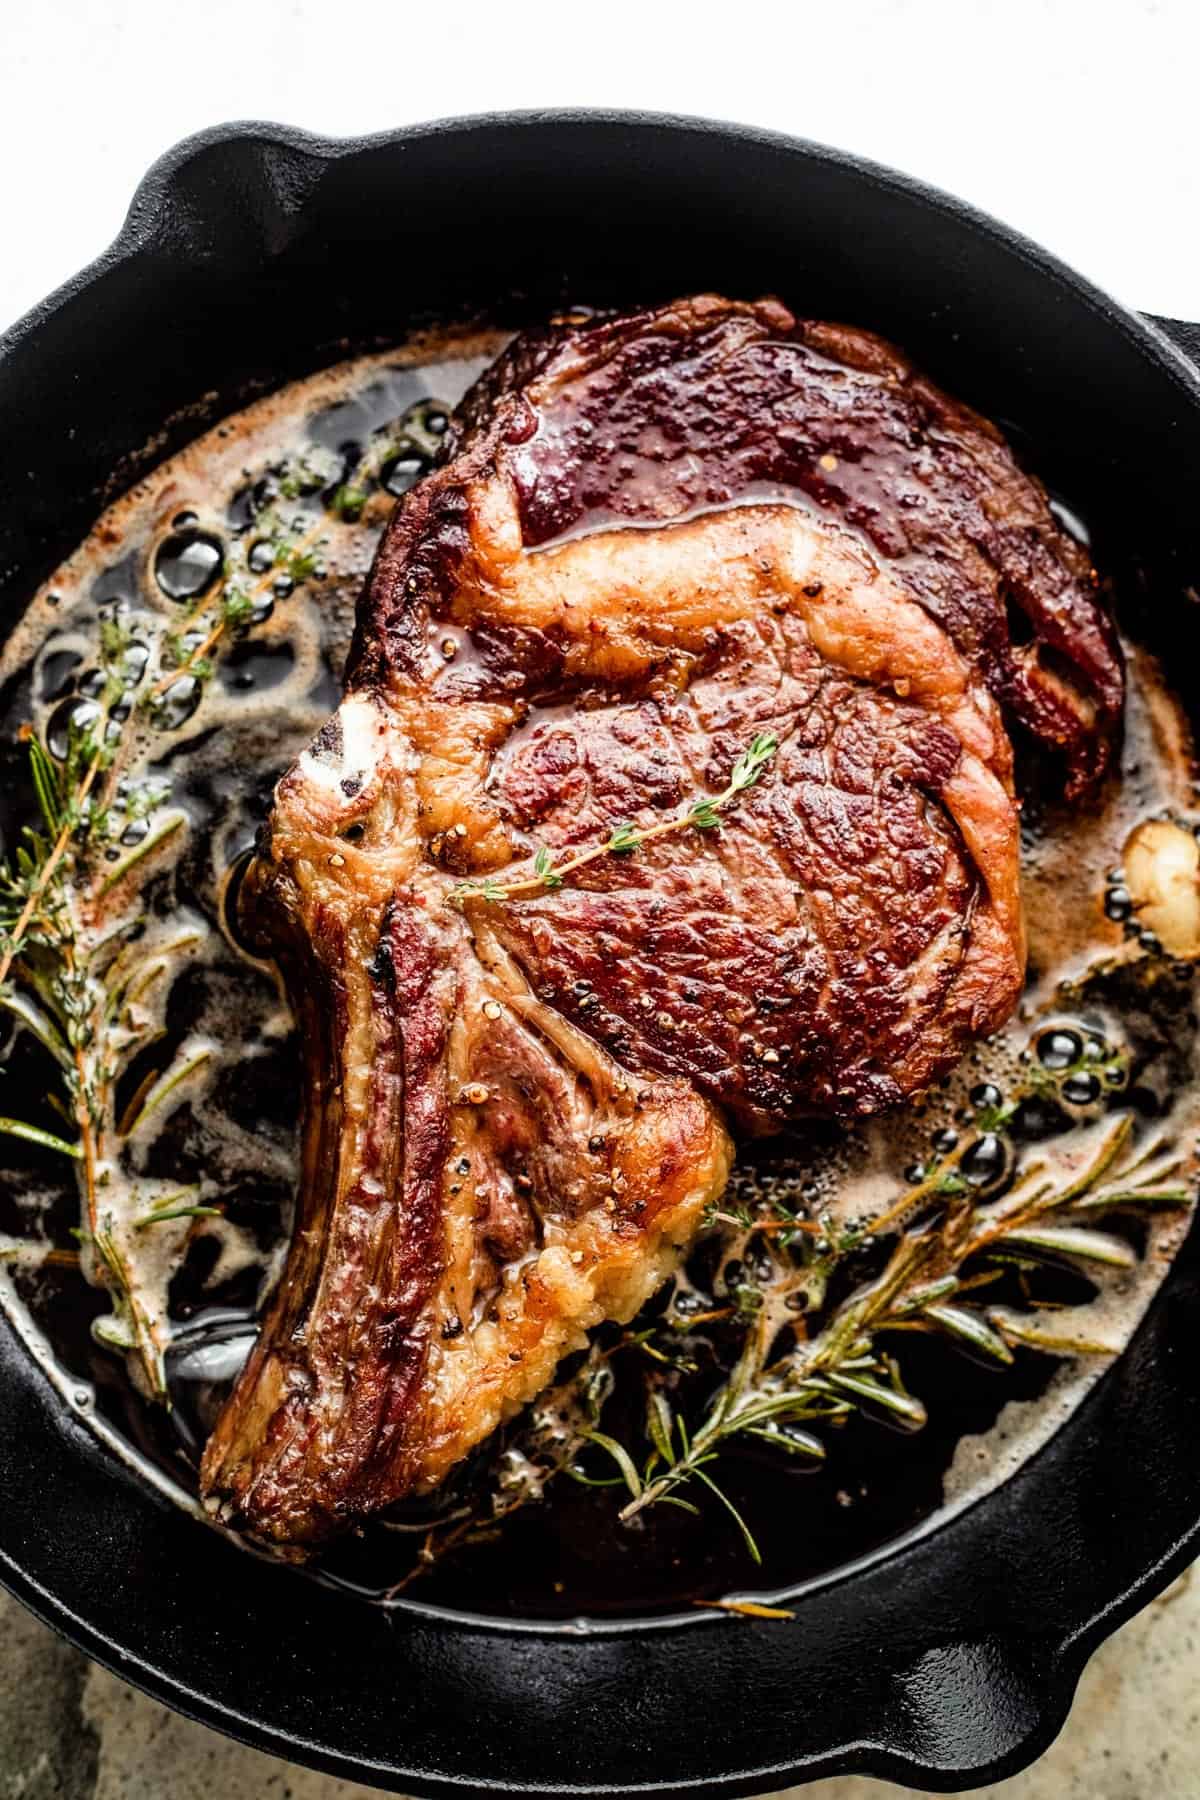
{"x": 635, "y": 558}
{"x": 656, "y": 415}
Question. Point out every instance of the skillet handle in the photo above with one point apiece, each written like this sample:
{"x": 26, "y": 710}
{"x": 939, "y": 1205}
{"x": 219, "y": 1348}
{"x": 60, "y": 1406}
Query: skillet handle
{"x": 1182, "y": 333}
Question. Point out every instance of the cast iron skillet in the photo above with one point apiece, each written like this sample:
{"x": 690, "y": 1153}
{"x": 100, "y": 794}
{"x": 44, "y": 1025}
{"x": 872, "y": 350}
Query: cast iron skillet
{"x": 951, "y": 1658}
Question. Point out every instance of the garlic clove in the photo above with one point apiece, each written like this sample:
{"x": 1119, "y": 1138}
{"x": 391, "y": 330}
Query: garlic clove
{"x": 1162, "y": 873}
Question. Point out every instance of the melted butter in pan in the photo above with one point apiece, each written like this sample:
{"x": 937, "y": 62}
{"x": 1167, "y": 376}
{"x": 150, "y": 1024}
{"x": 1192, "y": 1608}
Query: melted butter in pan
{"x": 234, "y": 1130}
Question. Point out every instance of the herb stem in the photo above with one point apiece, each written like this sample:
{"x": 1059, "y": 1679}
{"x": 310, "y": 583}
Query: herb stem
{"x": 46, "y": 875}
{"x": 924, "y": 1285}
{"x": 623, "y": 840}
{"x": 83, "y": 1112}
{"x": 200, "y": 653}
{"x": 70, "y": 952}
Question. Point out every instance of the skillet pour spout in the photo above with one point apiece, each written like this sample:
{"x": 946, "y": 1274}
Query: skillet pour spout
{"x": 947, "y": 1659}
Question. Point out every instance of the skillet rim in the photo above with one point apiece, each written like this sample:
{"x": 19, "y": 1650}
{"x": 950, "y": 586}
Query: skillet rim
{"x": 145, "y": 207}
{"x": 1152, "y": 339}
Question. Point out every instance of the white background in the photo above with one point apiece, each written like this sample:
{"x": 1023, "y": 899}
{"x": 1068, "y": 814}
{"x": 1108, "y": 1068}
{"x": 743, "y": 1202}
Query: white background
{"x": 1075, "y": 120}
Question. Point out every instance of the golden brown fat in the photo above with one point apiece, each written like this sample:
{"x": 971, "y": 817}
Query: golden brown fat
{"x": 621, "y": 597}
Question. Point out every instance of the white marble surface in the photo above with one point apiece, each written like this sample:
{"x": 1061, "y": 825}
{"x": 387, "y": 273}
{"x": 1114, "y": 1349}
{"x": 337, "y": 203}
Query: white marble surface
{"x": 1072, "y": 119}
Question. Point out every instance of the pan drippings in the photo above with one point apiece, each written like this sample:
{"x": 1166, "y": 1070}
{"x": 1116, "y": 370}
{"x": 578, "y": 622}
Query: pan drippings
{"x": 223, "y": 587}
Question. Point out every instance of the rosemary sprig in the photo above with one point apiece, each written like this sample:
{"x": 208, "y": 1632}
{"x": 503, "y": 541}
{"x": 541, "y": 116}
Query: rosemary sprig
{"x": 93, "y": 1033}
{"x": 951, "y": 1239}
{"x": 550, "y": 871}
{"x": 926, "y": 1284}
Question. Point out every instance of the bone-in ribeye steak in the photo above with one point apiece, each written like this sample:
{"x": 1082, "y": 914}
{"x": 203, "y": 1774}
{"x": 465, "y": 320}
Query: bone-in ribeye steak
{"x": 652, "y": 539}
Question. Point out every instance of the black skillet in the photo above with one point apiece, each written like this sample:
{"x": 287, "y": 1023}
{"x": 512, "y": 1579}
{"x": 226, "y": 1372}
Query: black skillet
{"x": 949, "y": 1660}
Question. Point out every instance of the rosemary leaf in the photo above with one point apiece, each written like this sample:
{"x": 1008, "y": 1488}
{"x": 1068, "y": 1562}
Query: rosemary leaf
{"x": 1074, "y": 1241}
{"x": 1116, "y": 1142}
{"x": 34, "y": 1134}
{"x": 1117, "y": 1198}
{"x": 660, "y": 1424}
{"x": 161, "y": 1090}
{"x": 45, "y": 782}
{"x": 179, "y": 1212}
{"x": 38, "y": 1023}
{"x": 962, "y": 1322}
{"x": 1021, "y": 1330}
{"x": 176, "y": 1206}
{"x": 731, "y": 1509}
{"x": 928, "y": 1294}
{"x": 620, "y": 1456}
{"x": 907, "y": 1410}
{"x": 793, "y": 1441}
{"x": 116, "y": 1332}
{"x": 677, "y": 1500}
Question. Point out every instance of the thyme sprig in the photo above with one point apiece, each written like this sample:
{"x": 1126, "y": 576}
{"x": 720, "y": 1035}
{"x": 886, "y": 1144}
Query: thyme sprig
{"x": 56, "y": 955}
{"x": 233, "y": 604}
{"x": 73, "y": 983}
{"x": 550, "y": 871}
{"x": 72, "y": 820}
{"x": 413, "y": 436}
{"x": 78, "y": 970}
